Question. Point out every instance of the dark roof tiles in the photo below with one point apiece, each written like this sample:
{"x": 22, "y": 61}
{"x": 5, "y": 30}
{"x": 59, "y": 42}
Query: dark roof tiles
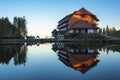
{"x": 84, "y": 24}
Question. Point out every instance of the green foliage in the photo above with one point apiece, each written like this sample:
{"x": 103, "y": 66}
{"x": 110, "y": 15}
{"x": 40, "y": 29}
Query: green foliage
{"x": 115, "y": 33}
{"x": 107, "y": 30}
{"x": 89, "y": 36}
{"x": 16, "y": 29}
{"x": 5, "y": 27}
{"x": 20, "y": 25}
{"x": 104, "y": 31}
{"x": 100, "y": 31}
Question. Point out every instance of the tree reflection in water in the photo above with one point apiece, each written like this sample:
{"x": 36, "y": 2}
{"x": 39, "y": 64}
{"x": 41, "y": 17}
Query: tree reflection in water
{"x": 77, "y": 56}
{"x": 17, "y": 52}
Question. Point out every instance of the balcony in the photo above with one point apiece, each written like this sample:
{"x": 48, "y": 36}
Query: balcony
{"x": 63, "y": 25}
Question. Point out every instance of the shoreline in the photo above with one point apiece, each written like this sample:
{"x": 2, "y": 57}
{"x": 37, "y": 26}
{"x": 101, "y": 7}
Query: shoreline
{"x": 21, "y": 41}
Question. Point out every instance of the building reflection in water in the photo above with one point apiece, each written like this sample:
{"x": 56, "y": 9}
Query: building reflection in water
{"x": 73, "y": 55}
{"x": 18, "y": 53}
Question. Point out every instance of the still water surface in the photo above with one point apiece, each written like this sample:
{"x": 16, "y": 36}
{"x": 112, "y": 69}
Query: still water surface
{"x": 59, "y": 61}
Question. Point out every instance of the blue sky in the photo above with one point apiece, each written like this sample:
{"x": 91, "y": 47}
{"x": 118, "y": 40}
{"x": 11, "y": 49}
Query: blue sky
{"x": 42, "y": 15}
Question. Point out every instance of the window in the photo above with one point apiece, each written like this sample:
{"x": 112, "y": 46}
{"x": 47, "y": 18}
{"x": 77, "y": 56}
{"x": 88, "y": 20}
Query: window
{"x": 77, "y": 31}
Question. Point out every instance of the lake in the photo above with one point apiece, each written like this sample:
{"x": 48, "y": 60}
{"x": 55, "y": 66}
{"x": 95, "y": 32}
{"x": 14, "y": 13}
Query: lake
{"x": 60, "y": 61}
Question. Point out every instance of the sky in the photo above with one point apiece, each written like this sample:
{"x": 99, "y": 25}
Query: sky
{"x": 43, "y": 15}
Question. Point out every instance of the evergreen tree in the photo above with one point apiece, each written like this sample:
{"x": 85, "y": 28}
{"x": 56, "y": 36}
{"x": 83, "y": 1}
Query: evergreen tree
{"x": 20, "y": 25}
{"x": 114, "y": 29}
{"x": 5, "y": 27}
{"x": 17, "y": 28}
{"x": 100, "y": 30}
{"x": 107, "y": 29}
{"x": 104, "y": 31}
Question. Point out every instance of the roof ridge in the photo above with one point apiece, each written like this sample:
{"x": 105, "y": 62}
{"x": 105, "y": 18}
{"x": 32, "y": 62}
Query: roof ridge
{"x": 85, "y": 11}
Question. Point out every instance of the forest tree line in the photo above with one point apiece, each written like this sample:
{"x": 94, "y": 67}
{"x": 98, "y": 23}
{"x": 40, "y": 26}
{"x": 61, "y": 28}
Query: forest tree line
{"x": 107, "y": 30}
{"x": 15, "y": 29}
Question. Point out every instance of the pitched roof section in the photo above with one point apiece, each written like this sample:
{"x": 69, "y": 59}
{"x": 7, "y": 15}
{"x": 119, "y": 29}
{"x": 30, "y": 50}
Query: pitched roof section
{"x": 83, "y": 11}
{"x": 84, "y": 24}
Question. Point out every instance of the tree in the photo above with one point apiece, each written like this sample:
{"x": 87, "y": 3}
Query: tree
{"x": 104, "y": 31}
{"x": 37, "y": 37}
{"x": 107, "y": 29}
{"x": 17, "y": 28}
{"x": 5, "y": 27}
{"x": 111, "y": 30}
{"x": 20, "y": 25}
{"x": 114, "y": 29}
{"x": 100, "y": 30}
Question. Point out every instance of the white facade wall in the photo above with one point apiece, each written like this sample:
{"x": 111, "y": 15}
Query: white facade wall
{"x": 70, "y": 31}
{"x": 90, "y": 30}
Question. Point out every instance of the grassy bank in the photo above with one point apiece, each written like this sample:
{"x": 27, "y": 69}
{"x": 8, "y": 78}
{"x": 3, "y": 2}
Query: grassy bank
{"x": 91, "y": 38}
{"x": 115, "y": 34}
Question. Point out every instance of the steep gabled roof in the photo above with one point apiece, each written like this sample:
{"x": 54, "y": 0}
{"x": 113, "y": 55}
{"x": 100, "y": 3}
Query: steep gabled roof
{"x": 84, "y": 24}
{"x": 83, "y": 11}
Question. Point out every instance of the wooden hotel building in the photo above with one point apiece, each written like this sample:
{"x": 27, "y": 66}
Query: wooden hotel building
{"x": 79, "y": 22}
